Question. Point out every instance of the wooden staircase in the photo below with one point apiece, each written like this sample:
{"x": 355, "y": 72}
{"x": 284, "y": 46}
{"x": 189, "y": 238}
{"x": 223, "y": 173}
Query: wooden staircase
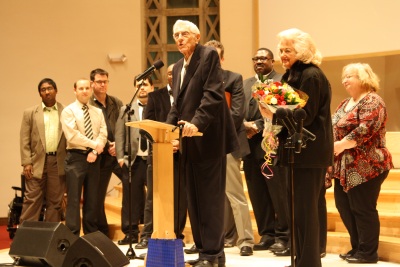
{"x": 338, "y": 238}
{"x": 389, "y": 213}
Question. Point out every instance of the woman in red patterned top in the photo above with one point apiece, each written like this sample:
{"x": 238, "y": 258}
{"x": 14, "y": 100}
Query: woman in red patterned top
{"x": 362, "y": 161}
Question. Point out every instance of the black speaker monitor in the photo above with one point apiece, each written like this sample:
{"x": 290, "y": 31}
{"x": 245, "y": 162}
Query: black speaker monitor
{"x": 94, "y": 250}
{"x": 41, "y": 243}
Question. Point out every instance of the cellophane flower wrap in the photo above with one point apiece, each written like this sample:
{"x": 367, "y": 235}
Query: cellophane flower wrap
{"x": 274, "y": 95}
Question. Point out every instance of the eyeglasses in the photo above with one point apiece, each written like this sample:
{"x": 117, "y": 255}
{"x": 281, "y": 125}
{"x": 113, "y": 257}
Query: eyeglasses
{"x": 346, "y": 77}
{"x": 102, "y": 82}
{"x": 44, "y": 89}
{"x": 184, "y": 34}
{"x": 262, "y": 59}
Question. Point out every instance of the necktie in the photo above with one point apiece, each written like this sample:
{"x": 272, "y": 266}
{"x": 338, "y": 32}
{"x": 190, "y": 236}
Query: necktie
{"x": 87, "y": 122}
{"x": 143, "y": 141}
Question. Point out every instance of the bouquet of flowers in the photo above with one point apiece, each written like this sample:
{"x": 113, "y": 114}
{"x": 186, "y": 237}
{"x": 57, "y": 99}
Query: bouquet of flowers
{"x": 275, "y": 95}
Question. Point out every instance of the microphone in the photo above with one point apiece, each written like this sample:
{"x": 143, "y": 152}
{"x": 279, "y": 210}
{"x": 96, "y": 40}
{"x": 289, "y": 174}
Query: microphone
{"x": 290, "y": 120}
{"x": 307, "y": 135}
{"x": 282, "y": 115}
{"x": 299, "y": 116}
{"x": 157, "y": 65}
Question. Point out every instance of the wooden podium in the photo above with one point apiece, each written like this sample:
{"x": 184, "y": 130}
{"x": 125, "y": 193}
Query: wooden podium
{"x": 164, "y": 249}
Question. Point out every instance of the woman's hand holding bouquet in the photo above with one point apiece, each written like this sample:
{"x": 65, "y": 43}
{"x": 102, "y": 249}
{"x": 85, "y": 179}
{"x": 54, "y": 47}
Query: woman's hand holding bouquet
{"x": 271, "y": 96}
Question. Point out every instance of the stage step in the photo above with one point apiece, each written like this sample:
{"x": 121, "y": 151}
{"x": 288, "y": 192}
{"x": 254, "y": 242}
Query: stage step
{"x": 338, "y": 238}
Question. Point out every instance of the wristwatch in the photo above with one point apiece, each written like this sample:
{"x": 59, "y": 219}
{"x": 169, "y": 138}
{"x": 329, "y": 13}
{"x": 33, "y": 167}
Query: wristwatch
{"x": 94, "y": 151}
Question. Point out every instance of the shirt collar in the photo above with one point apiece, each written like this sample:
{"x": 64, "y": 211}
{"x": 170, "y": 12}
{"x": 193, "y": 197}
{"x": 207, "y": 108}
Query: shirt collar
{"x": 265, "y": 76}
{"x": 44, "y": 107}
{"x": 140, "y": 104}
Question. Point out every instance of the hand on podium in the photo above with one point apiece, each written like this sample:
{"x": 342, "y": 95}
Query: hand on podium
{"x": 175, "y": 145}
{"x": 189, "y": 129}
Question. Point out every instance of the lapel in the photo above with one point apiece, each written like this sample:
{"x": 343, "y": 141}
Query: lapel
{"x": 191, "y": 69}
{"x": 40, "y": 125}
{"x": 135, "y": 116}
{"x": 165, "y": 97}
{"x": 225, "y": 81}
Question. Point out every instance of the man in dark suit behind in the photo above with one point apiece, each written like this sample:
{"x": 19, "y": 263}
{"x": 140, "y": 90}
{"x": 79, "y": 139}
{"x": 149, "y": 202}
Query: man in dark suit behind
{"x": 236, "y": 209}
{"x": 158, "y": 106}
{"x": 200, "y": 106}
{"x": 268, "y": 196}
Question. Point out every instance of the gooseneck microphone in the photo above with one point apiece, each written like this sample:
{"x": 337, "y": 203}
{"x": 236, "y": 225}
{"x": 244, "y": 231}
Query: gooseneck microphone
{"x": 157, "y": 65}
{"x": 299, "y": 115}
{"x": 282, "y": 116}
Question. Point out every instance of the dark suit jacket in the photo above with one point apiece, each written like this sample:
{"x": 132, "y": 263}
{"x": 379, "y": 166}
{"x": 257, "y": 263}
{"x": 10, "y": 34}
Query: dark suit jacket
{"x": 113, "y": 108}
{"x": 233, "y": 83}
{"x": 201, "y": 101}
{"x": 252, "y": 113}
{"x": 158, "y": 105}
{"x": 33, "y": 141}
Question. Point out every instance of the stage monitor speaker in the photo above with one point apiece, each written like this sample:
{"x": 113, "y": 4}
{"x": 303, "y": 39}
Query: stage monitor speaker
{"x": 41, "y": 244}
{"x": 94, "y": 250}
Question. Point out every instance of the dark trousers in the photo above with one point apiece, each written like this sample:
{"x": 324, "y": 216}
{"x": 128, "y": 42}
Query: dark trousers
{"x": 138, "y": 184}
{"x": 277, "y": 189}
{"x": 323, "y": 221}
{"x": 108, "y": 165}
{"x": 82, "y": 174}
{"x": 205, "y": 186}
{"x": 180, "y": 203}
{"x": 308, "y": 184}
{"x": 263, "y": 194}
{"x": 357, "y": 208}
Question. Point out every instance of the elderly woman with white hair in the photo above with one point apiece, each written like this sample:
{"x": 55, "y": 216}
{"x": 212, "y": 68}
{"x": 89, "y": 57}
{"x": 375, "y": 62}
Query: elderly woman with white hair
{"x": 362, "y": 161}
{"x": 301, "y": 59}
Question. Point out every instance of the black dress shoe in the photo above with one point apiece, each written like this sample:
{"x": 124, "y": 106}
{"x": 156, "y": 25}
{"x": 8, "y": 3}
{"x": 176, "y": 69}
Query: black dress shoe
{"x": 358, "y": 259}
{"x": 323, "y": 254}
{"x": 221, "y": 263}
{"x": 278, "y": 246}
{"x": 141, "y": 256}
{"x": 205, "y": 263}
{"x": 246, "y": 251}
{"x": 125, "y": 240}
{"x": 142, "y": 244}
{"x": 192, "y": 250}
{"x": 263, "y": 245}
{"x": 344, "y": 256}
{"x": 285, "y": 252}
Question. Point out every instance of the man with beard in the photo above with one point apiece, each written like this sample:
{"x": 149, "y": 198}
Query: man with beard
{"x": 158, "y": 106}
{"x": 139, "y": 154}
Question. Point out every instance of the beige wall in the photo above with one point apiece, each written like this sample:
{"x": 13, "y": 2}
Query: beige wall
{"x": 65, "y": 40}
{"x": 340, "y": 27}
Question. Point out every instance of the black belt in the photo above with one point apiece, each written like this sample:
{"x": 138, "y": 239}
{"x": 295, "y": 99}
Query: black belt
{"x": 51, "y": 153}
{"x": 80, "y": 151}
{"x": 142, "y": 157}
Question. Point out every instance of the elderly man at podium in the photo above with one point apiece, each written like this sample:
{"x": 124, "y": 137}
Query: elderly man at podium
{"x": 200, "y": 106}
